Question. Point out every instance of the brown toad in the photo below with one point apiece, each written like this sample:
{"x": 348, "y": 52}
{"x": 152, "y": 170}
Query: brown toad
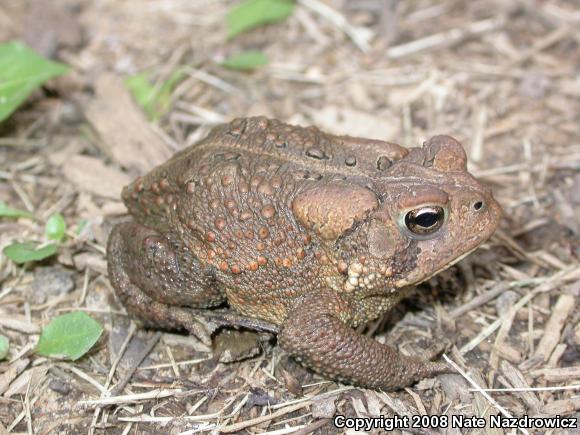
{"x": 313, "y": 233}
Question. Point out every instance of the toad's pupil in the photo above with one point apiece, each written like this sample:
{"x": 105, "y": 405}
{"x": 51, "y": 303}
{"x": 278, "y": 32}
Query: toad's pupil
{"x": 426, "y": 220}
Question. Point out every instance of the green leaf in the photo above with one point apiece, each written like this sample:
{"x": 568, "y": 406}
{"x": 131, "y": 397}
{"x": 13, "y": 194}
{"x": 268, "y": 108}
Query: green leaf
{"x": 55, "y": 227}
{"x": 250, "y": 14}
{"x": 155, "y": 100}
{"x": 246, "y": 61}
{"x": 69, "y": 336}
{"x": 143, "y": 91}
{"x": 4, "y": 345}
{"x": 7, "y": 211}
{"x": 81, "y": 226}
{"x": 21, "y": 72}
{"x": 22, "y": 253}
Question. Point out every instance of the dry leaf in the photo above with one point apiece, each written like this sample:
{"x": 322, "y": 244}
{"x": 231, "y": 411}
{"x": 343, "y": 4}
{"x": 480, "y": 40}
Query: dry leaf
{"x": 91, "y": 175}
{"x": 123, "y": 128}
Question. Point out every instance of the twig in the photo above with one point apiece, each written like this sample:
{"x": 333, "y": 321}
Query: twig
{"x": 295, "y": 430}
{"x": 85, "y": 377}
{"x": 551, "y": 39}
{"x": 212, "y": 80}
{"x": 253, "y": 421}
{"x": 480, "y": 390}
{"x": 178, "y": 363}
{"x": 146, "y": 351}
{"x": 564, "y": 306}
{"x": 112, "y": 371}
{"x": 514, "y": 390}
{"x": 199, "y": 428}
{"x": 491, "y": 294}
{"x": 22, "y": 414}
{"x": 130, "y": 398}
{"x": 20, "y": 325}
{"x": 360, "y": 36}
{"x": 21, "y": 143}
{"x": 555, "y": 280}
{"x": 445, "y": 39}
{"x": 27, "y": 408}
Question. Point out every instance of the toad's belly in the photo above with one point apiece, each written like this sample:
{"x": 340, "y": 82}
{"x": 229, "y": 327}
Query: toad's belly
{"x": 264, "y": 307}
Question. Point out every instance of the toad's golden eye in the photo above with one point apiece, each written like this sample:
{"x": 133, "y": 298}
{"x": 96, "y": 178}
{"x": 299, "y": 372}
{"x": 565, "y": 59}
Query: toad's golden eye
{"x": 425, "y": 221}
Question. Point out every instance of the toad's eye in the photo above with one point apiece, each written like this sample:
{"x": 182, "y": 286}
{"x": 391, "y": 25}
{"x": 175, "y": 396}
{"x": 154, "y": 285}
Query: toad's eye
{"x": 424, "y": 221}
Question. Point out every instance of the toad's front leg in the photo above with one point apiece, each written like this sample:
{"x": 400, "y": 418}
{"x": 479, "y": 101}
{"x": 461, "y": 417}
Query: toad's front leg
{"x": 317, "y": 333}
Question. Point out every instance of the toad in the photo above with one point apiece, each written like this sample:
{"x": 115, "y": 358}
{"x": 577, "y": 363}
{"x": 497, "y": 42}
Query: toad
{"x": 312, "y": 233}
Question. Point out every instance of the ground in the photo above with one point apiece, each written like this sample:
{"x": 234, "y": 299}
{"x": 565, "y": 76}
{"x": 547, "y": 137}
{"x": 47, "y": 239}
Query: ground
{"x": 501, "y": 76}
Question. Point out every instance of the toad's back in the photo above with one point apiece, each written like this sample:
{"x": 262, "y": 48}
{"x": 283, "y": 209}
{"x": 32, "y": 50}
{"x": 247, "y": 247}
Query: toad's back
{"x": 268, "y": 147}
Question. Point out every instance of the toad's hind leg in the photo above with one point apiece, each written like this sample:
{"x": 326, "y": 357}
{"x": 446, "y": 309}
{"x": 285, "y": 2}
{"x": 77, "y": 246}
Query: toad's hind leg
{"x": 157, "y": 280}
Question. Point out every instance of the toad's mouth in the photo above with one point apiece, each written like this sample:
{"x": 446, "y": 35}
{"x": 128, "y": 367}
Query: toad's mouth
{"x": 447, "y": 265}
